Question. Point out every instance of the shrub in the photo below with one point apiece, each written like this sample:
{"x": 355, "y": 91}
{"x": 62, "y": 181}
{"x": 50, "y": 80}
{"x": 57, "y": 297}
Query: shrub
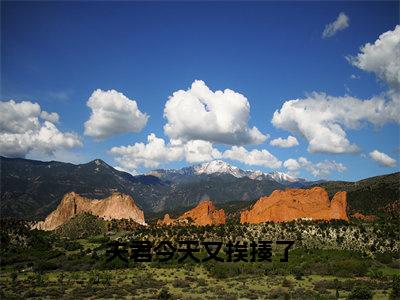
{"x": 181, "y": 283}
{"x": 164, "y": 294}
{"x": 72, "y": 245}
{"x": 287, "y": 283}
{"x": 298, "y": 274}
{"x": 99, "y": 239}
{"x": 94, "y": 277}
{"x": 14, "y": 277}
{"x": 361, "y": 292}
{"x": 42, "y": 266}
{"x": 82, "y": 226}
{"x": 385, "y": 258}
{"x": 395, "y": 294}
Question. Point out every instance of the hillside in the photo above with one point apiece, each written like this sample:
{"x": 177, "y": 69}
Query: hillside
{"x": 368, "y": 196}
{"x": 32, "y": 189}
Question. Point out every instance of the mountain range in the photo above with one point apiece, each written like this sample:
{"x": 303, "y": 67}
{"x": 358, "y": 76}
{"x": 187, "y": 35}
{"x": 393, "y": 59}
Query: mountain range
{"x": 31, "y": 189}
{"x": 219, "y": 167}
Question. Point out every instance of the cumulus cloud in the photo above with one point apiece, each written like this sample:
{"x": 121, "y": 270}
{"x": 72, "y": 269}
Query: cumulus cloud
{"x": 291, "y": 141}
{"x": 382, "y": 159}
{"x": 19, "y": 117}
{"x": 341, "y": 22}
{"x": 321, "y": 118}
{"x": 291, "y": 164}
{"x": 156, "y": 152}
{"x": 113, "y": 113}
{"x": 254, "y": 157}
{"x": 51, "y": 117}
{"x": 219, "y": 117}
{"x": 321, "y": 169}
{"x": 382, "y": 57}
{"x": 199, "y": 151}
{"x": 149, "y": 155}
{"x": 22, "y": 130}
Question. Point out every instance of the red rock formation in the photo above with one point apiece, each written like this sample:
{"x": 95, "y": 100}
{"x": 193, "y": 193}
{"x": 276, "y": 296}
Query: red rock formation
{"x": 116, "y": 206}
{"x": 368, "y": 218}
{"x": 203, "y": 214}
{"x": 292, "y": 204}
{"x": 166, "y": 221}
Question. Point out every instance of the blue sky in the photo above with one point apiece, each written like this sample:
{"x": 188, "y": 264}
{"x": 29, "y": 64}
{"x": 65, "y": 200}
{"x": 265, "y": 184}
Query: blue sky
{"x": 58, "y": 54}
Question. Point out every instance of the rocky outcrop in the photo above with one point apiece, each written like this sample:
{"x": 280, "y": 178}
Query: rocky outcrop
{"x": 292, "y": 204}
{"x": 203, "y": 214}
{"x": 166, "y": 221}
{"x": 116, "y": 206}
{"x": 369, "y": 218}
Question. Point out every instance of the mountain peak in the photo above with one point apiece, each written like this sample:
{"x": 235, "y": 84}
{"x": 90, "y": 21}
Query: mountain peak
{"x": 98, "y": 162}
{"x": 279, "y": 176}
{"x": 218, "y": 166}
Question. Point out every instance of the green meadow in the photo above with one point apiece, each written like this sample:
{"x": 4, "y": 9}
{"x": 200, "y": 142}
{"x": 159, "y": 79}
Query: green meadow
{"x": 48, "y": 265}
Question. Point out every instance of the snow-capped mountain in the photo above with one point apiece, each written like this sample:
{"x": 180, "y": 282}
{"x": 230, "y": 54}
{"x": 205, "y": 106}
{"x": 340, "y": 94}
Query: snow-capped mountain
{"x": 219, "y": 167}
{"x": 283, "y": 177}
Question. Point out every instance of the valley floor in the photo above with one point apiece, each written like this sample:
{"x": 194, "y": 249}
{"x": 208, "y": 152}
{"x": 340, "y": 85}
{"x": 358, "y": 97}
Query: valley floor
{"x": 332, "y": 260}
{"x": 178, "y": 283}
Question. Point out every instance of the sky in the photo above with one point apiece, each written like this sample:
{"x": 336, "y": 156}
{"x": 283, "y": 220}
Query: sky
{"x": 311, "y": 89}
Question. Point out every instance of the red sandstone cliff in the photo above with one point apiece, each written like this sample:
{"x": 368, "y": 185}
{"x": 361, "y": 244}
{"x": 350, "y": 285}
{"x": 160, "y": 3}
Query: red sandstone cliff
{"x": 116, "y": 206}
{"x": 203, "y": 214}
{"x": 293, "y": 204}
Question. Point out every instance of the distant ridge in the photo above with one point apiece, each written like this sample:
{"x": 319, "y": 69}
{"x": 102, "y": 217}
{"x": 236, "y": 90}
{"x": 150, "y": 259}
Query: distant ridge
{"x": 32, "y": 189}
{"x": 219, "y": 167}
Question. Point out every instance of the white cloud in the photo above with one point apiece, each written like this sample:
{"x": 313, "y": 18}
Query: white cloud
{"x": 382, "y": 159}
{"x": 19, "y": 117}
{"x": 218, "y": 117}
{"x": 253, "y": 157}
{"x": 149, "y": 155}
{"x": 291, "y": 164}
{"x": 382, "y": 57}
{"x": 200, "y": 151}
{"x": 51, "y": 117}
{"x": 113, "y": 113}
{"x": 23, "y": 132}
{"x": 320, "y": 118}
{"x": 341, "y": 22}
{"x": 157, "y": 152}
{"x": 320, "y": 169}
{"x": 291, "y": 141}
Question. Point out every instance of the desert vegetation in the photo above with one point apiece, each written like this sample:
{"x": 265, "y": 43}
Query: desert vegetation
{"x": 329, "y": 260}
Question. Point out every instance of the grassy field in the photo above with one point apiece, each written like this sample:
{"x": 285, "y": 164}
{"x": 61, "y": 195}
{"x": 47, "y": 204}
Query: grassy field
{"x": 48, "y": 265}
{"x": 195, "y": 282}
